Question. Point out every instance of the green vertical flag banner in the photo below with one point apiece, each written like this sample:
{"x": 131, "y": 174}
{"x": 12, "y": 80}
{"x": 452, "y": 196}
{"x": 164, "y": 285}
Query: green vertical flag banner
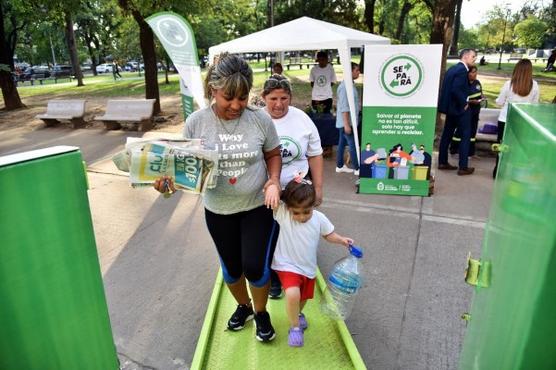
{"x": 176, "y": 35}
{"x": 399, "y": 115}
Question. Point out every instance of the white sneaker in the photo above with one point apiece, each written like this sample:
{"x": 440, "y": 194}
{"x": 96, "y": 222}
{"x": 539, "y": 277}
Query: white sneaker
{"x": 345, "y": 169}
{"x": 356, "y": 172}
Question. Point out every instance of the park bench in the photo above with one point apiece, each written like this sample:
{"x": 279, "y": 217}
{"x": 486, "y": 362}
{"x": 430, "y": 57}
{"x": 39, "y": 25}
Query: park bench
{"x": 138, "y": 111}
{"x": 72, "y": 110}
{"x": 309, "y": 65}
{"x": 488, "y": 116}
{"x": 515, "y": 56}
{"x": 299, "y": 61}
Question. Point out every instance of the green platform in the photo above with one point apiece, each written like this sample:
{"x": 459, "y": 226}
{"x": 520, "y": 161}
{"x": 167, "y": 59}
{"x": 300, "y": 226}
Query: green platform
{"x": 328, "y": 343}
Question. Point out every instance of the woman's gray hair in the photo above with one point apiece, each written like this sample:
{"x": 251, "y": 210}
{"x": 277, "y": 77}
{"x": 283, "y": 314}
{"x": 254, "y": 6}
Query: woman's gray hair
{"x": 276, "y": 82}
{"x": 231, "y": 74}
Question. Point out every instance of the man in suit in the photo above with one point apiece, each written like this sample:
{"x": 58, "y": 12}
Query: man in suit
{"x": 453, "y": 102}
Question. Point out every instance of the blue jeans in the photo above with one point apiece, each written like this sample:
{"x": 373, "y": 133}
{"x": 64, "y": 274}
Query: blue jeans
{"x": 348, "y": 140}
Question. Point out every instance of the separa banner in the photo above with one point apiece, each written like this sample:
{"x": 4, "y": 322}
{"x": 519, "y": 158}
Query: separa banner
{"x": 178, "y": 40}
{"x": 400, "y": 95}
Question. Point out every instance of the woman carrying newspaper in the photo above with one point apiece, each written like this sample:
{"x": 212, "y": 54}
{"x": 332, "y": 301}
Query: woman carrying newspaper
{"x": 237, "y": 209}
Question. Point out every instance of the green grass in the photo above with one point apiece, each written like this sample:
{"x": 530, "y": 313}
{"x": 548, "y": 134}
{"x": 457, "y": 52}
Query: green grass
{"x": 134, "y": 86}
{"x": 506, "y": 70}
{"x": 100, "y": 86}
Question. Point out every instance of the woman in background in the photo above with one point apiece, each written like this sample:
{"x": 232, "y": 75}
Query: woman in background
{"x": 520, "y": 89}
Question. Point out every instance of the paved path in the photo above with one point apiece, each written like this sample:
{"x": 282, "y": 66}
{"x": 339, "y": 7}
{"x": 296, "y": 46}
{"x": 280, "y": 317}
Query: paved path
{"x": 159, "y": 263}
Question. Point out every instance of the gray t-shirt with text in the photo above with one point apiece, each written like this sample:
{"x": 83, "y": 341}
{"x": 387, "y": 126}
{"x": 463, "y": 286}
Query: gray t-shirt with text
{"x": 241, "y": 166}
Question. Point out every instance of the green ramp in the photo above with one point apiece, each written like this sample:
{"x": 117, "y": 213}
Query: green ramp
{"x": 328, "y": 343}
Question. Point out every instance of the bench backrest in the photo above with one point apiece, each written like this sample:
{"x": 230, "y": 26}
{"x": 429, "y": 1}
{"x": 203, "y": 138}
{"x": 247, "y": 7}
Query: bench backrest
{"x": 136, "y": 108}
{"x": 66, "y": 107}
{"x": 489, "y": 115}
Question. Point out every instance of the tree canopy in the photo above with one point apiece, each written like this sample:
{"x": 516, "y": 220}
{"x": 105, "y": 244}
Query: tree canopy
{"x": 96, "y": 31}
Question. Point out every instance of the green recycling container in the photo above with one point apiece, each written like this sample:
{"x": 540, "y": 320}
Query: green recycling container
{"x": 512, "y": 322}
{"x": 53, "y": 312}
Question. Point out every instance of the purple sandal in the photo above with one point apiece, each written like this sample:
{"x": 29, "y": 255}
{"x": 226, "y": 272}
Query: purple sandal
{"x": 295, "y": 337}
{"x": 302, "y": 322}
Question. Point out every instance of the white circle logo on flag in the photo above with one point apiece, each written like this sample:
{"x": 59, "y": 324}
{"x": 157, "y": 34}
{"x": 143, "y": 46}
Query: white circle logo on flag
{"x": 172, "y": 31}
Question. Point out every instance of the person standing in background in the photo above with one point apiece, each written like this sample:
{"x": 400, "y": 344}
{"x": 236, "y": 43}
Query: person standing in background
{"x": 277, "y": 69}
{"x": 116, "y": 70}
{"x": 475, "y": 97}
{"x": 521, "y": 88}
{"x": 454, "y": 104}
{"x": 345, "y": 126}
{"x": 322, "y": 79}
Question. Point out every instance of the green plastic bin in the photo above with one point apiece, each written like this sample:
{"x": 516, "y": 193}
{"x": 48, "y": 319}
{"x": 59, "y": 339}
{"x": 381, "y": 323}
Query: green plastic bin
{"x": 53, "y": 313}
{"x": 513, "y": 315}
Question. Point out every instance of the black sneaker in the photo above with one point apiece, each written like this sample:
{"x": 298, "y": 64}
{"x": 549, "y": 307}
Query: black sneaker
{"x": 265, "y": 331}
{"x": 242, "y": 314}
{"x": 275, "y": 291}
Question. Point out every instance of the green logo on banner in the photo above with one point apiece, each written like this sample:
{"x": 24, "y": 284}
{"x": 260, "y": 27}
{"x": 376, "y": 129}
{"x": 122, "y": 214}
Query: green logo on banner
{"x": 401, "y": 76}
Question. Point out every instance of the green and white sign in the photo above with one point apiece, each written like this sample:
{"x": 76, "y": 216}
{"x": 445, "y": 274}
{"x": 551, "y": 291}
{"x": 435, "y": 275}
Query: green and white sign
{"x": 400, "y": 95}
{"x": 178, "y": 40}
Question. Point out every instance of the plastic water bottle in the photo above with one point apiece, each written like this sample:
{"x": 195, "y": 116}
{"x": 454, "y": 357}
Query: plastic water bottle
{"x": 343, "y": 284}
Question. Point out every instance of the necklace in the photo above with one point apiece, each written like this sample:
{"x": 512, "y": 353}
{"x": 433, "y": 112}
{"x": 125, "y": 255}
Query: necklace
{"x": 225, "y": 126}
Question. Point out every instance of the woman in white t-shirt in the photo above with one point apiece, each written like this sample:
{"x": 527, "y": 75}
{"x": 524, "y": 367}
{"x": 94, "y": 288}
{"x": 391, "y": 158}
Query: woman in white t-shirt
{"x": 520, "y": 89}
{"x": 300, "y": 145}
{"x": 299, "y": 138}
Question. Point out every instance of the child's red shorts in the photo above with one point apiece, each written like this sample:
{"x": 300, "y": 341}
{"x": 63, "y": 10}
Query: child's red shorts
{"x": 292, "y": 279}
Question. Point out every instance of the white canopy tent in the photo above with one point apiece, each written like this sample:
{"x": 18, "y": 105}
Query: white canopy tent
{"x": 306, "y": 34}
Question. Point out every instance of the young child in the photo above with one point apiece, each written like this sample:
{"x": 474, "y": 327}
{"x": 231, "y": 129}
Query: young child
{"x": 295, "y": 258}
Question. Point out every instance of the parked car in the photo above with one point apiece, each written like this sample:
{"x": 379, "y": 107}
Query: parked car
{"x": 59, "y": 71}
{"x": 131, "y": 66}
{"x": 104, "y": 68}
{"x": 34, "y": 72}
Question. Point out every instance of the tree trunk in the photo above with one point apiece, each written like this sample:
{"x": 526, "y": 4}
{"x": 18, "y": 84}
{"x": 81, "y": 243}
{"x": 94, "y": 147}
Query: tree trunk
{"x": 382, "y": 22}
{"x": 7, "y": 84}
{"x": 70, "y": 39}
{"x": 146, "y": 38}
{"x": 442, "y": 22}
{"x": 457, "y": 23}
{"x": 370, "y": 15}
{"x": 91, "y": 51}
{"x": 270, "y": 13}
{"x": 9, "y": 92}
{"x": 406, "y": 7}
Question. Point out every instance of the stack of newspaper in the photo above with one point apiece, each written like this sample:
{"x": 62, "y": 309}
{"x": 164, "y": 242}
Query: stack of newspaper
{"x": 191, "y": 165}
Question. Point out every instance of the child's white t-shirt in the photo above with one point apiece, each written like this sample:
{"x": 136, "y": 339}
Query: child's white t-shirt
{"x": 300, "y": 139}
{"x": 322, "y": 79}
{"x": 296, "y": 249}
